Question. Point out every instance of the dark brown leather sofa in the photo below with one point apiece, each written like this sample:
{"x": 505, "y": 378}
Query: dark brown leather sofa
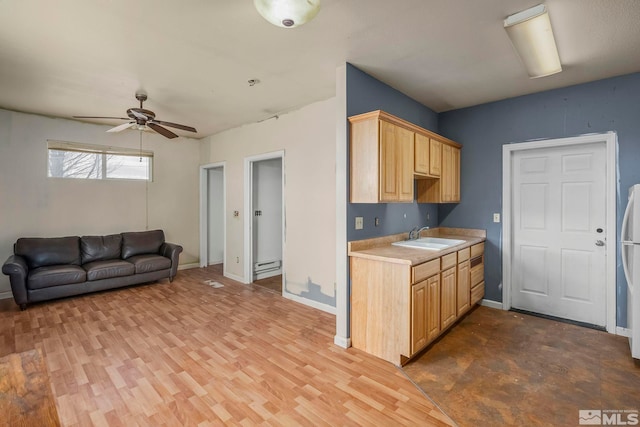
{"x": 46, "y": 268}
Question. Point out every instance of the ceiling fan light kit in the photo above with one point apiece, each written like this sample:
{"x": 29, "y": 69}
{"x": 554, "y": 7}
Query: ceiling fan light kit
{"x": 532, "y": 37}
{"x": 287, "y": 13}
{"x": 142, "y": 120}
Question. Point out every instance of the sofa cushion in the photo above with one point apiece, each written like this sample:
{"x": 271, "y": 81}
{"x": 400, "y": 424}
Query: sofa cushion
{"x": 100, "y": 248}
{"x": 97, "y": 270}
{"x": 40, "y": 252}
{"x": 54, "y": 275}
{"x": 141, "y": 242}
{"x": 149, "y": 263}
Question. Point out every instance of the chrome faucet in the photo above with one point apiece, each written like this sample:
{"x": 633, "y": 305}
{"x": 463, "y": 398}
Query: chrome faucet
{"x": 414, "y": 234}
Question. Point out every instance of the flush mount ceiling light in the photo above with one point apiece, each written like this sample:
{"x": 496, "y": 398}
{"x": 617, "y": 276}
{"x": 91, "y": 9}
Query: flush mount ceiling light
{"x": 532, "y": 37}
{"x": 287, "y": 13}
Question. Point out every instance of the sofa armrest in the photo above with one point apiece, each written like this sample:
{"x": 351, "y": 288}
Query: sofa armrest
{"x": 171, "y": 251}
{"x": 16, "y": 268}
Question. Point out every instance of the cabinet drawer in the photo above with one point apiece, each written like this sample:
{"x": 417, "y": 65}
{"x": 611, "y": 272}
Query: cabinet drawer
{"x": 477, "y": 274}
{"x": 477, "y": 293}
{"x": 463, "y": 254}
{"x": 427, "y": 269}
{"x": 449, "y": 260}
{"x": 477, "y": 250}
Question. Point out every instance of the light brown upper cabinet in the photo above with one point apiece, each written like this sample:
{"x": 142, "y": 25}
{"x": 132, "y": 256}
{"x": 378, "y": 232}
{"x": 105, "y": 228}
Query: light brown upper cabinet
{"x": 421, "y": 153}
{"x": 427, "y": 153}
{"x": 382, "y": 160}
{"x": 435, "y": 160}
{"x": 388, "y": 153}
{"x": 396, "y": 163}
{"x": 447, "y": 188}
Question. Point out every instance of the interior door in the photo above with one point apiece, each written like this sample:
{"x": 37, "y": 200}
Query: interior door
{"x": 267, "y": 210}
{"x": 559, "y": 232}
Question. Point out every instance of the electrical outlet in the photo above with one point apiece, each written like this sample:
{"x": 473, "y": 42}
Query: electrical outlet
{"x": 496, "y": 217}
{"x": 237, "y": 260}
{"x": 359, "y": 223}
{"x": 376, "y": 221}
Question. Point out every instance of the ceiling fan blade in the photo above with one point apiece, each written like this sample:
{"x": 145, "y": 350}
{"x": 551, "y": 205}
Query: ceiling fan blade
{"x": 92, "y": 117}
{"x": 162, "y": 131}
{"x": 122, "y": 127}
{"x": 176, "y": 125}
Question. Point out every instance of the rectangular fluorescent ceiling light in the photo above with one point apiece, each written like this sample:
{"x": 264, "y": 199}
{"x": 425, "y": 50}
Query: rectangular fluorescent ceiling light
{"x": 531, "y": 35}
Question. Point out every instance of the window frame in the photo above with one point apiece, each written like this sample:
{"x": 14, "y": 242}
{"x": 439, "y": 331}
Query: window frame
{"x": 103, "y": 151}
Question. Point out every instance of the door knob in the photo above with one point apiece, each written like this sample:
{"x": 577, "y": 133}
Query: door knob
{"x": 599, "y": 243}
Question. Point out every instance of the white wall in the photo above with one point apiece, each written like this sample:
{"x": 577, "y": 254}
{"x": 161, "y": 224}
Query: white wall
{"x": 31, "y": 204}
{"x": 308, "y": 138}
{"x": 216, "y": 216}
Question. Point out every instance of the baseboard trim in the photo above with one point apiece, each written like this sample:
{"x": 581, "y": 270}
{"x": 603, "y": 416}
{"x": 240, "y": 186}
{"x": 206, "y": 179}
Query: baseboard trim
{"x": 492, "y": 304}
{"x": 234, "y": 277}
{"x": 314, "y": 304}
{"x": 188, "y": 266}
{"x": 6, "y": 295}
{"x": 268, "y": 274}
{"x": 625, "y": 332}
{"x": 342, "y": 341}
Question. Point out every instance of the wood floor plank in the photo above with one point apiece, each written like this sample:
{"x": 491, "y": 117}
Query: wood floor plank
{"x": 188, "y": 354}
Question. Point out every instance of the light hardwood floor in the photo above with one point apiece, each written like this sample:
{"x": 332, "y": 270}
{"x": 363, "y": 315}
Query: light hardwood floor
{"x": 188, "y": 354}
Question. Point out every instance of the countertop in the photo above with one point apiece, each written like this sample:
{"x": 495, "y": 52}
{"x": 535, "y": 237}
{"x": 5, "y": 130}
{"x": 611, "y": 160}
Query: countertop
{"x": 381, "y": 248}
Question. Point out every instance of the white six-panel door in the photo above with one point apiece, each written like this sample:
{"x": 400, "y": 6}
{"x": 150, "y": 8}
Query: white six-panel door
{"x": 558, "y": 232}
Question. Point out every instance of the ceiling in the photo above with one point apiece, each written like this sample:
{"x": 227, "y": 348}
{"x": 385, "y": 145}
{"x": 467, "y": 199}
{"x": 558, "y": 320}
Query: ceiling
{"x": 194, "y": 57}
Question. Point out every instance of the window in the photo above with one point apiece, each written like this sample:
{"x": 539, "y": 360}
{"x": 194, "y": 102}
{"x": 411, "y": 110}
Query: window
{"x": 85, "y": 161}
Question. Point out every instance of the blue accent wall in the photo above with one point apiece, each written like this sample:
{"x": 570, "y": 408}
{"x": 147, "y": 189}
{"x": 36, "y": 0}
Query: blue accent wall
{"x": 597, "y": 107}
{"x": 364, "y": 94}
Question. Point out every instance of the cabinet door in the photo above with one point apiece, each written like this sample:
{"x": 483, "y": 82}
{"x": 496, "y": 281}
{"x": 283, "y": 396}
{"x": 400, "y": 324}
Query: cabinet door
{"x": 421, "y": 152}
{"x": 388, "y": 163}
{"x": 418, "y": 316}
{"x": 450, "y": 177}
{"x": 463, "y": 288}
{"x": 404, "y": 153}
{"x": 455, "y": 174}
{"x": 446, "y": 178}
{"x": 433, "y": 307}
{"x": 448, "y": 310}
{"x": 435, "y": 152}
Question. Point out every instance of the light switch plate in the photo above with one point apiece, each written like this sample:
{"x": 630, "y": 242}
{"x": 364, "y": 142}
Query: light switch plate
{"x": 496, "y": 217}
{"x": 359, "y": 223}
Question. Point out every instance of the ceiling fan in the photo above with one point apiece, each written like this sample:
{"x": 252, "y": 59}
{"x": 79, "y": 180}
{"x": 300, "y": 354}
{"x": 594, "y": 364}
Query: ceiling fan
{"x": 141, "y": 119}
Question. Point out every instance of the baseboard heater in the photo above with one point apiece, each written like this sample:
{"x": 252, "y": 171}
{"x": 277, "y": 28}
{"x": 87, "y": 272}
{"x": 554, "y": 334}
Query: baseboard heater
{"x": 265, "y": 266}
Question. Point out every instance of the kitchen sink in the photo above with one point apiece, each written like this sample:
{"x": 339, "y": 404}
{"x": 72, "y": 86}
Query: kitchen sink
{"x": 429, "y": 243}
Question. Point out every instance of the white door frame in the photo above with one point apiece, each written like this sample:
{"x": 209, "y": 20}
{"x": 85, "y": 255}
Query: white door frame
{"x": 611, "y": 141}
{"x": 204, "y": 215}
{"x": 248, "y": 212}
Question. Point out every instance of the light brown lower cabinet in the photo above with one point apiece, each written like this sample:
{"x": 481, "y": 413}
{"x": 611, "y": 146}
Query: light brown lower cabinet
{"x": 476, "y": 273}
{"x": 448, "y": 312}
{"x": 419, "y": 312}
{"x": 433, "y": 307}
{"x": 463, "y": 288}
{"x": 425, "y": 312}
{"x": 398, "y": 309}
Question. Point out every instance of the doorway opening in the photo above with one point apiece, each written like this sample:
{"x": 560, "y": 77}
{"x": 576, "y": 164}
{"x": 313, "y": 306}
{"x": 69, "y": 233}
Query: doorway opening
{"x": 264, "y": 232}
{"x": 213, "y": 216}
{"x": 559, "y": 228}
